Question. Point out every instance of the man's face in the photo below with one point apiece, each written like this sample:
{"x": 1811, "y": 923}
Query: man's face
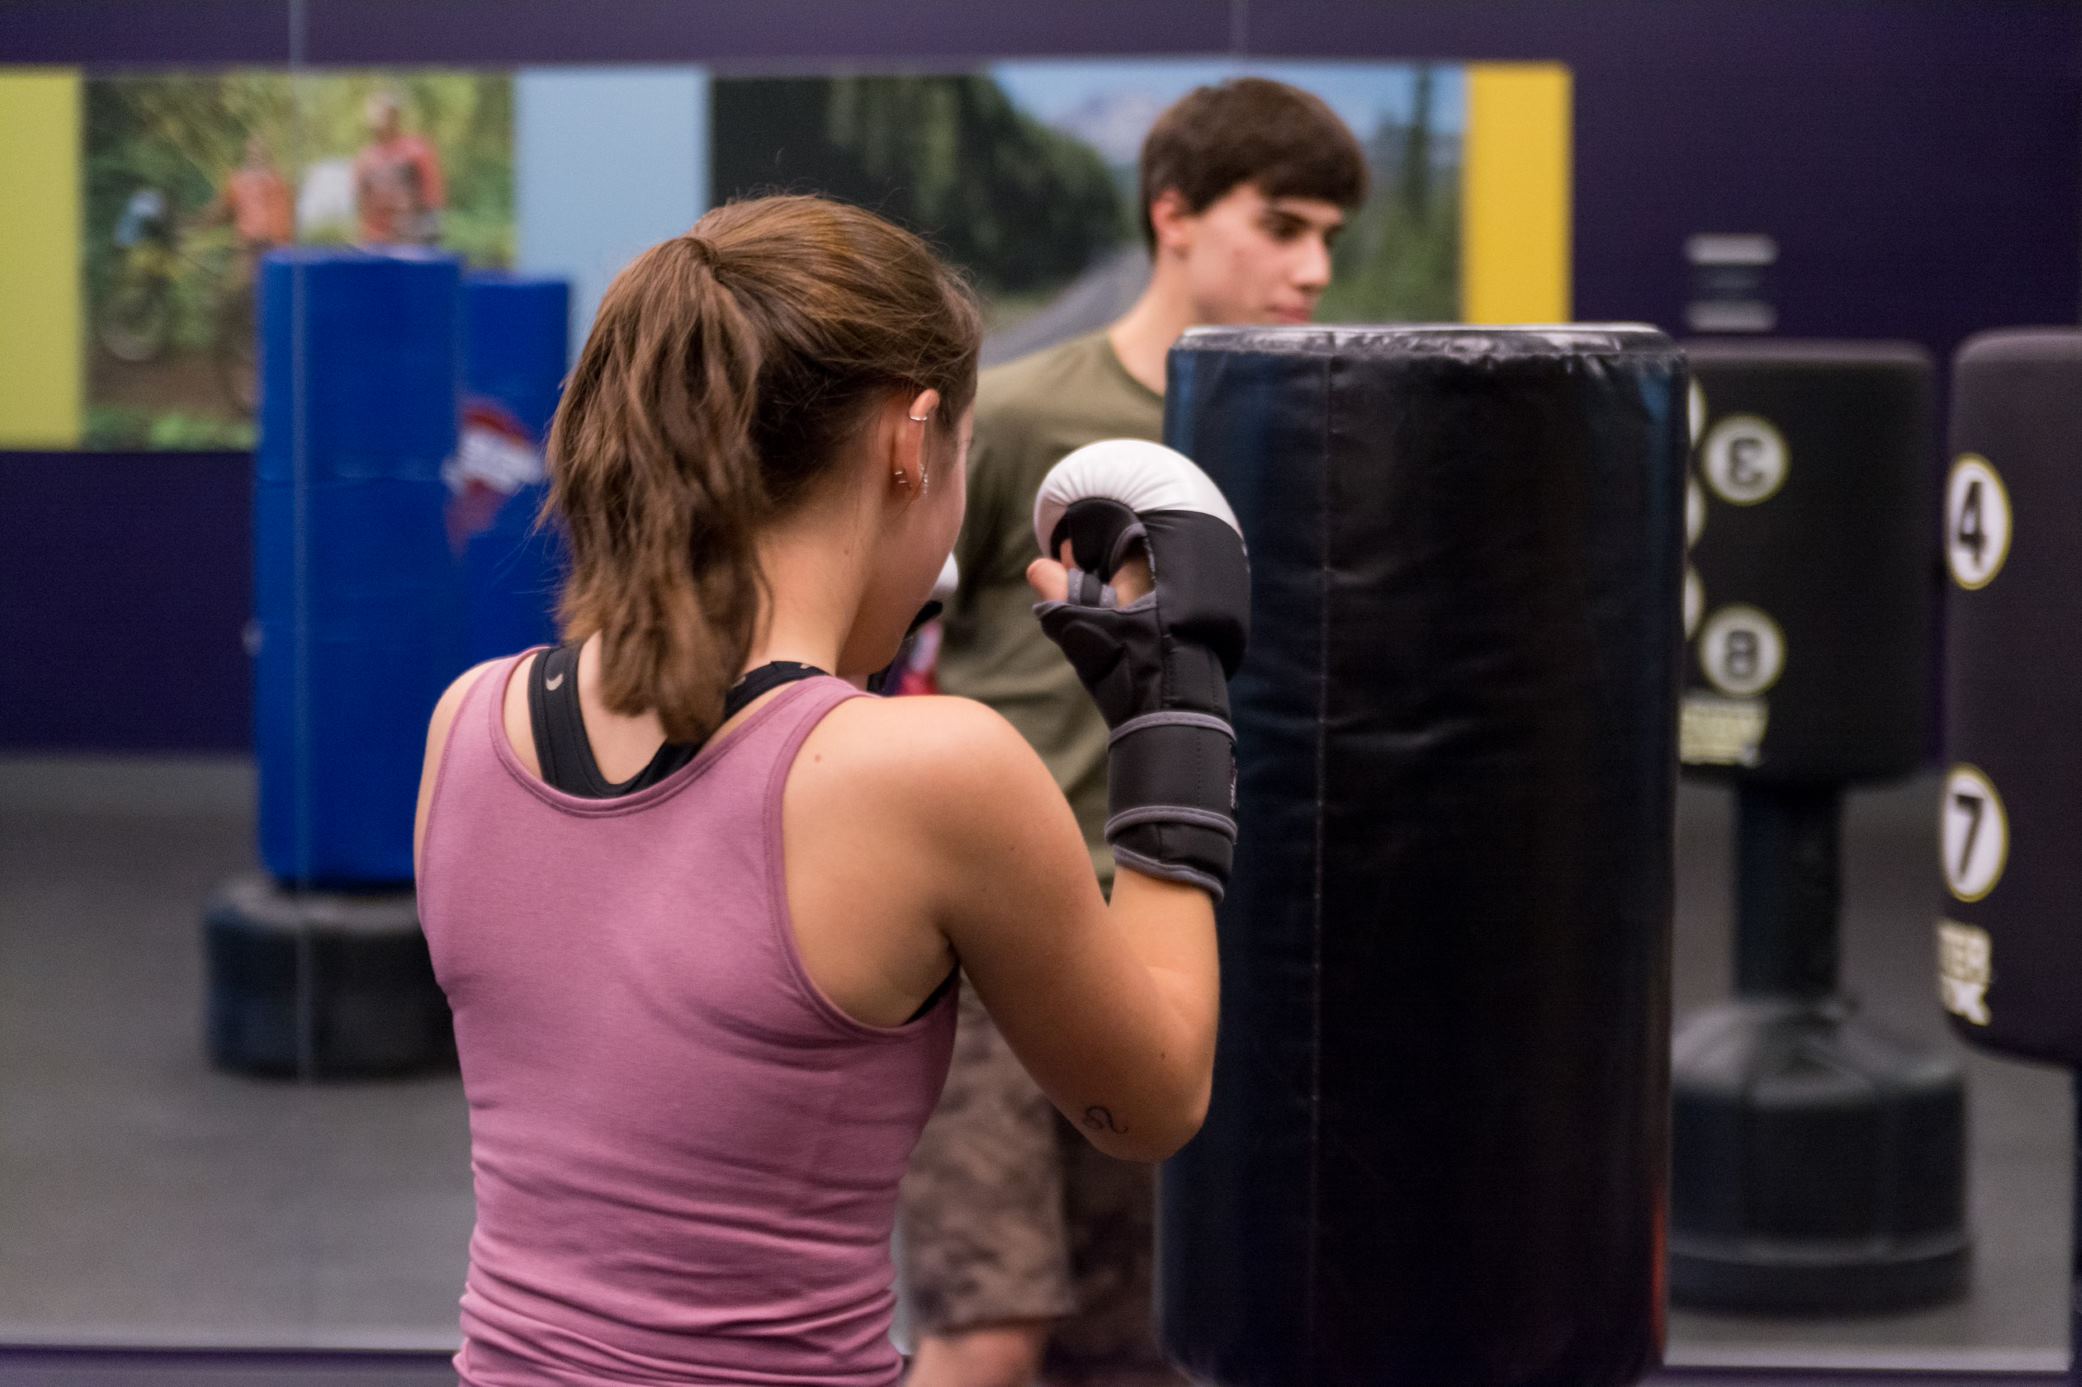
{"x": 1250, "y": 259}
{"x": 381, "y": 115}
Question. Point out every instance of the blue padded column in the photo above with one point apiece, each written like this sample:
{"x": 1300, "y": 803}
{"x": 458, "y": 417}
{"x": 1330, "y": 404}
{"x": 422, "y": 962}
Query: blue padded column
{"x": 354, "y": 579}
{"x": 516, "y": 334}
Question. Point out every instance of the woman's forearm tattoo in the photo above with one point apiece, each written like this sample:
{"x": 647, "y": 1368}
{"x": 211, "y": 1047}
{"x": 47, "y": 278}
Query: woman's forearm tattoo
{"x": 1101, "y": 1120}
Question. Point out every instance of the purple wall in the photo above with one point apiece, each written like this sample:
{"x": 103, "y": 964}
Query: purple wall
{"x": 125, "y": 582}
{"x": 1918, "y": 161}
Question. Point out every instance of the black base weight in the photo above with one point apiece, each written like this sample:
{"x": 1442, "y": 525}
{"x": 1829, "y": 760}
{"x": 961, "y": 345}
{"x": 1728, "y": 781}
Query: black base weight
{"x": 1820, "y": 1164}
{"x": 321, "y": 984}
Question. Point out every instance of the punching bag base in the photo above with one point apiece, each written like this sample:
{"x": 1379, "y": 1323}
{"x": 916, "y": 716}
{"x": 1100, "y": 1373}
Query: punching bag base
{"x": 1819, "y": 1164}
{"x": 321, "y": 984}
{"x": 1761, "y": 1277}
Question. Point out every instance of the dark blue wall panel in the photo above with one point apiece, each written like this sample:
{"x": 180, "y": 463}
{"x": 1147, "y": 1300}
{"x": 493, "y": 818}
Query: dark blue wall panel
{"x": 125, "y": 581}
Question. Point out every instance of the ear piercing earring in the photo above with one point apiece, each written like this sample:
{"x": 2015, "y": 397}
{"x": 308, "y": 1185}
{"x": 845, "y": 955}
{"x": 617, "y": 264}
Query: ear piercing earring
{"x": 923, "y": 480}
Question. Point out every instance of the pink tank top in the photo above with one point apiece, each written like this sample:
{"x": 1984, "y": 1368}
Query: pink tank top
{"x": 685, "y": 1155}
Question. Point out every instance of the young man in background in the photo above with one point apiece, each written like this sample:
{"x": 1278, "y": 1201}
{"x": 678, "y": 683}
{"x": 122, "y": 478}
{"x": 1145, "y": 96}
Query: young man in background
{"x": 1015, "y": 1233}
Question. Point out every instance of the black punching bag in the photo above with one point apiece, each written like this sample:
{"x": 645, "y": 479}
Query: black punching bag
{"x": 1813, "y": 562}
{"x": 1437, "y": 1147}
{"x": 2009, "y": 951}
{"x": 1820, "y": 1155}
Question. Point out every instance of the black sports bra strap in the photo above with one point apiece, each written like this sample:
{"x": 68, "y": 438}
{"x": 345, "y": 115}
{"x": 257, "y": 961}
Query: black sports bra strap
{"x": 674, "y": 755}
{"x": 767, "y": 677}
{"x": 559, "y": 726}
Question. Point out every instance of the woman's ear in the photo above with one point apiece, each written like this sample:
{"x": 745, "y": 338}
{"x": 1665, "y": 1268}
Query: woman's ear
{"x": 911, "y": 457}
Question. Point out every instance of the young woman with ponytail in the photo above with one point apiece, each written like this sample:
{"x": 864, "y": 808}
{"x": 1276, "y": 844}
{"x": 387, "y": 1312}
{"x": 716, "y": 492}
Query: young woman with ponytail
{"x": 697, "y": 902}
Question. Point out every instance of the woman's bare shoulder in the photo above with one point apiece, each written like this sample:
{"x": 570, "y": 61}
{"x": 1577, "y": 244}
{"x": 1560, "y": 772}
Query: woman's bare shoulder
{"x": 951, "y": 765}
{"x": 945, "y": 794}
{"x": 932, "y": 736}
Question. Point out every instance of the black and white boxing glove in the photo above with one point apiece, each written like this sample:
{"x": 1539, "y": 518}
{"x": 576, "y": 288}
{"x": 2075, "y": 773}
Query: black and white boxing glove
{"x": 1158, "y": 667}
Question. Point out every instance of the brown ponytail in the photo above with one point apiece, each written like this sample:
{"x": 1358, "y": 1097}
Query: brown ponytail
{"x": 725, "y": 372}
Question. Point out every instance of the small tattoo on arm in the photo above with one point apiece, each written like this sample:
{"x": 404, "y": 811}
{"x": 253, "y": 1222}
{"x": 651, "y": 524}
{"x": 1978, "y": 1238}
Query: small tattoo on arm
{"x": 1101, "y": 1120}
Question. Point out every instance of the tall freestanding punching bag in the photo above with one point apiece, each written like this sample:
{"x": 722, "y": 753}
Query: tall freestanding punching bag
{"x": 354, "y": 582}
{"x": 1437, "y": 1145}
{"x": 1820, "y": 1155}
{"x": 316, "y": 966}
{"x": 516, "y": 338}
{"x": 2009, "y": 949}
{"x": 2010, "y": 839}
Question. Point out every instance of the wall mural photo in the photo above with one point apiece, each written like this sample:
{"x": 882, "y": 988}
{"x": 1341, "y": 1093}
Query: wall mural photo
{"x": 1025, "y": 174}
{"x": 189, "y": 179}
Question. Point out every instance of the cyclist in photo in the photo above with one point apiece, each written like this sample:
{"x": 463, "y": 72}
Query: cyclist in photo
{"x": 399, "y": 191}
{"x": 258, "y": 204}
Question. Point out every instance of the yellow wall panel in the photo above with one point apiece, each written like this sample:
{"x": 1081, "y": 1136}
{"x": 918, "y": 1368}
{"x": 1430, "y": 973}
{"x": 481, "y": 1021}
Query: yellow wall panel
{"x": 1515, "y": 195}
{"x": 40, "y": 358}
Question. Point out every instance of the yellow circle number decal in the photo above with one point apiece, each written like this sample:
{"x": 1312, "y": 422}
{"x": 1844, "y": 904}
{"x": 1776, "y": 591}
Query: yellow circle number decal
{"x": 1974, "y": 833}
{"x": 1742, "y": 651}
{"x": 1978, "y": 522}
{"x": 1744, "y": 458}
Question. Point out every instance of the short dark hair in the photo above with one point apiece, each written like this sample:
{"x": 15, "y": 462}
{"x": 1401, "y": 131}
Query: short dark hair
{"x": 1250, "y": 130}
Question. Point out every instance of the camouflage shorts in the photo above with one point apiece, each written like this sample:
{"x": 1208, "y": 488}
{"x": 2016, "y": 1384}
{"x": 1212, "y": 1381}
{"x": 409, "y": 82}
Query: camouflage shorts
{"x": 1008, "y": 1213}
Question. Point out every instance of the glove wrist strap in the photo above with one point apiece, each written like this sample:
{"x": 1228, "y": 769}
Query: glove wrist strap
{"x": 1171, "y": 797}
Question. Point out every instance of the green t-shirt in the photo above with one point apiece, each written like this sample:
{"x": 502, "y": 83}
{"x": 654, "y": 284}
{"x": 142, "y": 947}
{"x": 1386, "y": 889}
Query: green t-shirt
{"x": 1029, "y": 413}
